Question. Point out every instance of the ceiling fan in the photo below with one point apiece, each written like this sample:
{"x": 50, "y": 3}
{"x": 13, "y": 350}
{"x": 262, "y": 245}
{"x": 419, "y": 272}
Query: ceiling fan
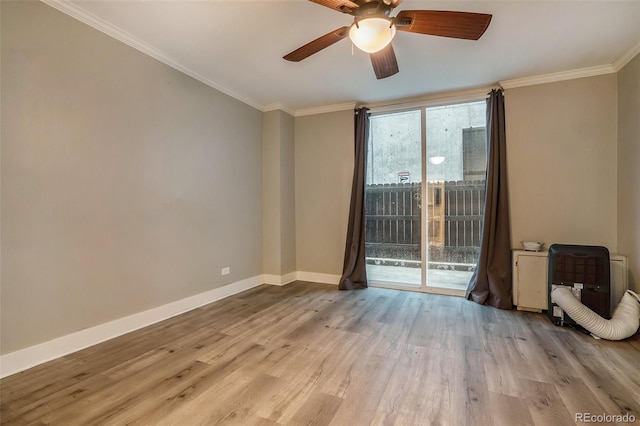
{"x": 372, "y": 29}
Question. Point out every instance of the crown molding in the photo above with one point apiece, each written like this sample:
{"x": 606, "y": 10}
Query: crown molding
{"x": 279, "y": 106}
{"x": 626, "y": 57}
{"x": 324, "y": 109}
{"x": 431, "y": 100}
{"x": 558, "y": 76}
{"x": 578, "y": 73}
{"x": 111, "y": 30}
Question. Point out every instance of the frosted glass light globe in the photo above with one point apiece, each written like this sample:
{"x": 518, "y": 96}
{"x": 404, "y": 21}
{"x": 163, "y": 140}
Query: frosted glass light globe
{"x": 372, "y": 34}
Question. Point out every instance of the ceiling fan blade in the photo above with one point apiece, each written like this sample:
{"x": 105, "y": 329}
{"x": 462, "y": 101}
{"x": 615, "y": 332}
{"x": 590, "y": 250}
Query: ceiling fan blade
{"x": 344, "y": 6}
{"x": 442, "y": 23}
{"x": 384, "y": 62}
{"x": 317, "y": 45}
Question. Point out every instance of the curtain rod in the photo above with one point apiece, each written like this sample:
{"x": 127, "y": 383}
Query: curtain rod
{"x": 437, "y": 99}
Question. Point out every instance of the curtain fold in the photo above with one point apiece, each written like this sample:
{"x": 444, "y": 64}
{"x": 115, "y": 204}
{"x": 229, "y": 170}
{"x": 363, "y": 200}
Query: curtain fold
{"x": 491, "y": 282}
{"x": 354, "y": 271}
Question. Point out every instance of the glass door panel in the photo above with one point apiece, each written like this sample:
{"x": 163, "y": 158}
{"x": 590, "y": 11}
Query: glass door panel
{"x": 456, "y": 172}
{"x": 393, "y": 198}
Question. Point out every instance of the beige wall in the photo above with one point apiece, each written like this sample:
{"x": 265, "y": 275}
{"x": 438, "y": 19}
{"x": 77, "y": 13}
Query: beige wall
{"x": 323, "y": 172}
{"x": 562, "y": 155}
{"x": 629, "y": 168}
{"x": 271, "y": 192}
{"x": 288, "y": 193}
{"x": 126, "y": 185}
{"x": 278, "y": 194}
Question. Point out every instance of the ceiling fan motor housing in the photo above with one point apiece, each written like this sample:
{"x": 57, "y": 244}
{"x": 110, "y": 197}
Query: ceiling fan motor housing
{"x": 371, "y": 8}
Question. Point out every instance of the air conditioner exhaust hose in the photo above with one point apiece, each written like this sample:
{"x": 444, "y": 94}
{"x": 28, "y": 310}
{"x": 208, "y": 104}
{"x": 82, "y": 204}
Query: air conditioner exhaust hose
{"x": 624, "y": 322}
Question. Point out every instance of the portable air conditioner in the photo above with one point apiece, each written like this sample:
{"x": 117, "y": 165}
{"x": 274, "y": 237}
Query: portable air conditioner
{"x": 586, "y": 271}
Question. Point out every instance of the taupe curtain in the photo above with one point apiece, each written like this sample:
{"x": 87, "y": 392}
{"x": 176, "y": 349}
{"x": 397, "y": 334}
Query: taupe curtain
{"x": 354, "y": 271}
{"x": 491, "y": 281}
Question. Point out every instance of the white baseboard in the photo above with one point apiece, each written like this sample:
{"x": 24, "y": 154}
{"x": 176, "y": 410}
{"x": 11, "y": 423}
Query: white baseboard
{"x": 317, "y": 277}
{"x": 280, "y": 279}
{"x": 23, "y": 359}
{"x": 271, "y": 279}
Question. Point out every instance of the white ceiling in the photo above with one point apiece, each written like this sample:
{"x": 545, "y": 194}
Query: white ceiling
{"x": 237, "y": 46}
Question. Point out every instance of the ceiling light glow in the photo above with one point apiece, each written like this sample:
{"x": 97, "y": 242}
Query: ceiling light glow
{"x": 372, "y": 34}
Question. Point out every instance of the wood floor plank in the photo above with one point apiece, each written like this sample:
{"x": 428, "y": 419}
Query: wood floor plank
{"x": 389, "y": 314}
{"x": 363, "y": 396}
{"x": 533, "y": 359}
{"x": 578, "y": 398}
{"x": 497, "y": 353}
{"x": 432, "y": 326}
{"x": 24, "y": 389}
{"x": 307, "y": 353}
{"x": 613, "y": 382}
{"x": 239, "y": 407}
{"x": 99, "y": 406}
{"x": 318, "y": 410}
{"x": 418, "y": 391}
{"x": 470, "y": 388}
{"x": 391, "y": 339}
{"x": 209, "y": 389}
{"x": 201, "y": 406}
{"x": 295, "y": 358}
{"x": 509, "y": 410}
{"x": 63, "y": 397}
{"x": 298, "y": 381}
{"x": 341, "y": 364}
{"x": 613, "y": 402}
{"x": 545, "y": 404}
{"x": 365, "y": 322}
{"x": 278, "y": 313}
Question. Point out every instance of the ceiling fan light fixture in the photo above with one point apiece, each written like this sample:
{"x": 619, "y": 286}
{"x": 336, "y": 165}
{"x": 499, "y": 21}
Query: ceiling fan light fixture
{"x": 372, "y": 34}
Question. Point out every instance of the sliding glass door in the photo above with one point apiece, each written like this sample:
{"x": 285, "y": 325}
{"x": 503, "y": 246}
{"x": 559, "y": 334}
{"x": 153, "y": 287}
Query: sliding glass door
{"x": 456, "y": 168}
{"x": 393, "y": 199}
{"x": 425, "y": 170}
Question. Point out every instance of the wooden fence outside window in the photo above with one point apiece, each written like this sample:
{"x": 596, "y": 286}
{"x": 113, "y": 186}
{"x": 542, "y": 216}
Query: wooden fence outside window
{"x": 393, "y": 220}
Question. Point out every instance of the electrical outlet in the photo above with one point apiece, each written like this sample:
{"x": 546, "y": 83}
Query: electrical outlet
{"x": 225, "y": 271}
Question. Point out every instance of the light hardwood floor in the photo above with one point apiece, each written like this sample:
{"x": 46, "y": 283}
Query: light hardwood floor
{"x": 310, "y": 354}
